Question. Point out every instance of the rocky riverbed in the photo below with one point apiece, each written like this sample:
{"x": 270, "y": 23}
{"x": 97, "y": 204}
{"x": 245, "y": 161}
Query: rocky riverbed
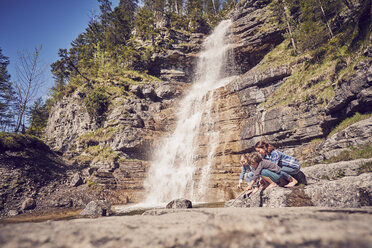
{"x": 217, "y": 227}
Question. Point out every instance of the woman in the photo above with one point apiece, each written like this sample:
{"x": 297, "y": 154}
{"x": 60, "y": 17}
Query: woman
{"x": 289, "y": 165}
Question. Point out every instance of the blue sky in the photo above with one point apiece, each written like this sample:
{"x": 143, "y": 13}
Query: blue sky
{"x": 53, "y": 24}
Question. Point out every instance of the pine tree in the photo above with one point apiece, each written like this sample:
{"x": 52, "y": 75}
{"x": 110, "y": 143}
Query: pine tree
{"x": 38, "y": 118}
{"x": 7, "y": 95}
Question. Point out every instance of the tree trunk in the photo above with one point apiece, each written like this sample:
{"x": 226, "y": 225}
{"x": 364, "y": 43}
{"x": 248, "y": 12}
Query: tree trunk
{"x": 287, "y": 17}
{"x": 325, "y": 18}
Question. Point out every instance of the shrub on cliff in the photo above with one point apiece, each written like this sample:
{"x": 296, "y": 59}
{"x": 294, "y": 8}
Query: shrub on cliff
{"x": 96, "y": 104}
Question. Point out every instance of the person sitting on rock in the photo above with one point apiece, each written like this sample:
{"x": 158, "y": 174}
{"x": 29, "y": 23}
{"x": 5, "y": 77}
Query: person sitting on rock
{"x": 289, "y": 165}
{"x": 247, "y": 173}
{"x": 270, "y": 173}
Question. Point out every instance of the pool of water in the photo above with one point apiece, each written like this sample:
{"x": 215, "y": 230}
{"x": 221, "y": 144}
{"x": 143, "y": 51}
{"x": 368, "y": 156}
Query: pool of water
{"x": 45, "y": 215}
{"x": 68, "y": 214}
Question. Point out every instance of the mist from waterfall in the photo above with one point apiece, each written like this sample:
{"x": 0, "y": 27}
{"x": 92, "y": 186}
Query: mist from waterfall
{"x": 173, "y": 170}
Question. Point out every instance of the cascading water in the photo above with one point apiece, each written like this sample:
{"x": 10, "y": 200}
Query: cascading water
{"x": 173, "y": 169}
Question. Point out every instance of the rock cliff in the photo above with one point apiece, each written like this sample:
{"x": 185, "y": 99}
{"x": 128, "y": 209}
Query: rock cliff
{"x": 270, "y": 98}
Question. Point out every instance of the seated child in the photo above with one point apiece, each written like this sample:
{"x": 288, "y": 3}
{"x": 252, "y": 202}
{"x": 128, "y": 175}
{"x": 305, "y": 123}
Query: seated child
{"x": 270, "y": 172}
{"x": 247, "y": 173}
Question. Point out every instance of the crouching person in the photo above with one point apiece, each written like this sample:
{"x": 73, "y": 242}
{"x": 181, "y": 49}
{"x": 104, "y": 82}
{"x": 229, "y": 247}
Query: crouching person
{"x": 270, "y": 172}
{"x": 247, "y": 174}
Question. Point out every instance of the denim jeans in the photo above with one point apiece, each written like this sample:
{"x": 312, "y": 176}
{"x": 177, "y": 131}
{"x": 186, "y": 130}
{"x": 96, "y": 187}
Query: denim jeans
{"x": 275, "y": 177}
{"x": 288, "y": 172}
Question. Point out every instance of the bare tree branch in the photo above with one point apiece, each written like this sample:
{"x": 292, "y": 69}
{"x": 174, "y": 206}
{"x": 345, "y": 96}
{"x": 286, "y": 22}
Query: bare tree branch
{"x": 30, "y": 78}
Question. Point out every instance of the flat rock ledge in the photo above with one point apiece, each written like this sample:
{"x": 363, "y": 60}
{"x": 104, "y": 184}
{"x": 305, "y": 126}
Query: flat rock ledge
{"x": 218, "y": 227}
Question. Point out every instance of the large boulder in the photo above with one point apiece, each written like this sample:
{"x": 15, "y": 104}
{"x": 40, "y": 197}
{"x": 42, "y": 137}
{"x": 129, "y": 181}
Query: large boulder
{"x": 96, "y": 209}
{"x": 334, "y": 171}
{"x": 179, "y": 203}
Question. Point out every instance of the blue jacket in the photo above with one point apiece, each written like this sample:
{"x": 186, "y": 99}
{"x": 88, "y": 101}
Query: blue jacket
{"x": 245, "y": 168}
{"x": 282, "y": 159}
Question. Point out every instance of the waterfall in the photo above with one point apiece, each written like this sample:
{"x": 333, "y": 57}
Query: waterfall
{"x": 173, "y": 170}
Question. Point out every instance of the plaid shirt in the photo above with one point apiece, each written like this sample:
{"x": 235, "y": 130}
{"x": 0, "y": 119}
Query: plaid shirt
{"x": 282, "y": 159}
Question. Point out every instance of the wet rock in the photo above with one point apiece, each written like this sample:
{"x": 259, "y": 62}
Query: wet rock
{"x": 28, "y": 204}
{"x": 96, "y": 209}
{"x": 179, "y": 203}
{"x": 76, "y": 180}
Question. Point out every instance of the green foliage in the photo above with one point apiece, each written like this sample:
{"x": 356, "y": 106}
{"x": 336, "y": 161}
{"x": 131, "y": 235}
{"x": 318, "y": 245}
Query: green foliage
{"x": 340, "y": 173}
{"x": 125, "y": 38}
{"x": 38, "y": 118}
{"x": 7, "y": 95}
{"x": 348, "y": 122}
{"x": 363, "y": 151}
{"x": 20, "y": 142}
{"x": 99, "y": 135}
{"x": 96, "y": 104}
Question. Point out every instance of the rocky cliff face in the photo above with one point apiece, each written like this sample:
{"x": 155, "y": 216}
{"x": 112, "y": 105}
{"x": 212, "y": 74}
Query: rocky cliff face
{"x": 115, "y": 154}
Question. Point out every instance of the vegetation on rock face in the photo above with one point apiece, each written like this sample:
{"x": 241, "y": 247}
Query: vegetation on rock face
{"x": 363, "y": 151}
{"x": 99, "y": 135}
{"x": 18, "y": 142}
{"x": 348, "y": 122}
{"x": 96, "y": 104}
{"x": 324, "y": 41}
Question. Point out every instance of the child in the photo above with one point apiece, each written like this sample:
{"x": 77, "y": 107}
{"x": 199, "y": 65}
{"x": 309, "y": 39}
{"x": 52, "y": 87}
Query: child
{"x": 247, "y": 173}
{"x": 270, "y": 172}
{"x": 289, "y": 165}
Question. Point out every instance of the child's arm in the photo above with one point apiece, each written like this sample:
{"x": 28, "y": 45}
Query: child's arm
{"x": 250, "y": 186}
{"x": 241, "y": 177}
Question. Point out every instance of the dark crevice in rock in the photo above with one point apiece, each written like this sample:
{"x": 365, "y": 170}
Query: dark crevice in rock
{"x": 298, "y": 198}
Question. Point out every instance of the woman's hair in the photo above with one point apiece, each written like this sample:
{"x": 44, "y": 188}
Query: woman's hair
{"x": 255, "y": 157}
{"x": 264, "y": 145}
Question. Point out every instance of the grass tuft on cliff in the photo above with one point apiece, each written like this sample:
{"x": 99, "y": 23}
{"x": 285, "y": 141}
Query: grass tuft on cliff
{"x": 348, "y": 122}
{"x": 363, "y": 151}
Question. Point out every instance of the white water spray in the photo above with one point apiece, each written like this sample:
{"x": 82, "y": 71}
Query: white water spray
{"x": 173, "y": 169}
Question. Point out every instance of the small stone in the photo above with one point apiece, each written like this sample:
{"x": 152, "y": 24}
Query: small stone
{"x": 13, "y": 213}
{"x": 76, "y": 180}
{"x": 28, "y": 204}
